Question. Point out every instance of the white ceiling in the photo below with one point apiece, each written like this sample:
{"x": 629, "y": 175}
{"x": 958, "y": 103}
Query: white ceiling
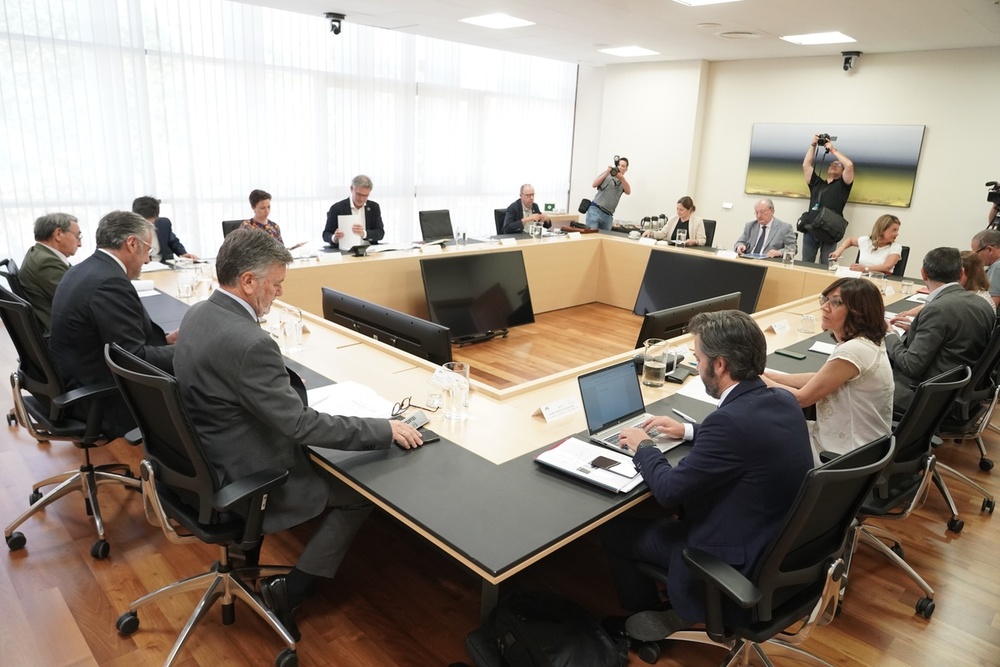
{"x": 574, "y": 30}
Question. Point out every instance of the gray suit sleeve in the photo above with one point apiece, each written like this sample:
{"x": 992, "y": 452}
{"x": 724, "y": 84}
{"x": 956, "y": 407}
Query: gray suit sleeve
{"x": 791, "y": 239}
{"x": 924, "y": 341}
{"x": 744, "y": 237}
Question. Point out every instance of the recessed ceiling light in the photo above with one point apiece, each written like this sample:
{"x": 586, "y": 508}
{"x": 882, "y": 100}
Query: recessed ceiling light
{"x": 699, "y": 3}
{"x": 709, "y": 26}
{"x": 739, "y": 34}
{"x": 629, "y": 52}
{"x": 819, "y": 38}
{"x": 497, "y": 21}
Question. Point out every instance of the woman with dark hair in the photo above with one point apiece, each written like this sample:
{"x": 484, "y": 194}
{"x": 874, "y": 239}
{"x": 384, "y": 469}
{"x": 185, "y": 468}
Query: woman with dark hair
{"x": 260, "y": 202}
{"x": 853, "y": 390}
{"x": 685, "y": 220}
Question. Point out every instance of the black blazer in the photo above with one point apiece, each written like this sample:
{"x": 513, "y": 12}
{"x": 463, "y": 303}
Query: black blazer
{"x": 96, "y": 304}
{"x": 374, "y": 229}
{"x": 170, "y": 245}
{"x": 515, "y": 214}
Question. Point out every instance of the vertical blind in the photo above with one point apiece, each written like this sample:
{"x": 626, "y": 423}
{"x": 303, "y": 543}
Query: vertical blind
{"x": 197, "y": 102}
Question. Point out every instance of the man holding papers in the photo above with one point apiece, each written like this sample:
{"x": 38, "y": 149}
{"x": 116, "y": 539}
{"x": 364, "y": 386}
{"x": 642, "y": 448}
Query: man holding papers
{"x": 236, "y": 389}
{"x": 367, "y": 222}
{"x": 745, "y": 467}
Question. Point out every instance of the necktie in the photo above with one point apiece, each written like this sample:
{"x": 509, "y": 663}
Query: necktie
{"x": 760, "y": 240}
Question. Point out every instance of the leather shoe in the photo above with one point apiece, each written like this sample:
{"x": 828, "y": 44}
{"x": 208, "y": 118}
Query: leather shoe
{"x": 274, "y": 590}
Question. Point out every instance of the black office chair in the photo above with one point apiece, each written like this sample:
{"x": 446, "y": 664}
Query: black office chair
{"x": 903, "y": 486}
{"x": 901, "y": 264}
{"x": 8, "y": 271}
{"x": 44, "y": 410}
{"x": 183, "y": 497}
{"x": 229, "y": 226}
{"x": 435, "y": 225}
{"x": 796, "y": 584}
{"x": 498, "y": 217}
{"x": 709, "y": 232}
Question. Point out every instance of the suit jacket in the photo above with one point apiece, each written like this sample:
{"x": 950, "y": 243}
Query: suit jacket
{"x": 952, "y": 330}
{"x": 696, "y": 229}
{"x": 512, "y": 219}
{"x": 96, "y": 304}
{"x": 374, "y": 229}
{"x": 39, "y": 275}
{"x": 781, "y": 237}
{"x": 746, "y": 464}
{"x": 170, "y": 245}
{"x": 236, "y": 390}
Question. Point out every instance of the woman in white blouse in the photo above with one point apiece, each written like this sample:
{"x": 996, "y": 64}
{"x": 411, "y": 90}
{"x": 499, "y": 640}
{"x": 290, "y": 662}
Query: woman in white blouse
{"x": 878, "y": 251}
{"x": 686, "y": 220}
{"x": 853, "y": 390}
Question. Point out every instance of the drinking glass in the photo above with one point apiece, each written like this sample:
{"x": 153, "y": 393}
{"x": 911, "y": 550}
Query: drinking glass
{"x": 906, "y": 287}
{"x": 878, "y": 278}
{"x": 807, "y": 324}
{"x": 185, "y": 284}
{"x": 833, "y": 265}
{"x": 456, "y": 390}
{"x": 681, "y": 237}
{"x": 788, "y": 258}
{"x": 654, "y": 362}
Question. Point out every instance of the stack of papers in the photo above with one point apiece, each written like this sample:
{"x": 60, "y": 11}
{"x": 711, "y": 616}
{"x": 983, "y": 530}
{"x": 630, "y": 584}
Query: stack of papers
{"x": 613, "y": 471}
{"x": 349, "y": 399}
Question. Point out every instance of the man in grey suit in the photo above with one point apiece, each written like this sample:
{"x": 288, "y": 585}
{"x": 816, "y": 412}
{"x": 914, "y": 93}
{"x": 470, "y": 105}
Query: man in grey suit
{"x": 236, "y": 389}
{"x": 766, "y": 235}
{"x": 952, "y": 329}
{"x": 57, "y": 238}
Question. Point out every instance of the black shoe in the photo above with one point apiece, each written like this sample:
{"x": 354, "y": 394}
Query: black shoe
{"x": 274, "y": 590}
{"x": 651, "y": 626}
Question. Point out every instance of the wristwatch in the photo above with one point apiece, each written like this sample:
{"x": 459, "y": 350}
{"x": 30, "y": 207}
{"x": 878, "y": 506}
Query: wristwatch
{"x": 645, "y": 443}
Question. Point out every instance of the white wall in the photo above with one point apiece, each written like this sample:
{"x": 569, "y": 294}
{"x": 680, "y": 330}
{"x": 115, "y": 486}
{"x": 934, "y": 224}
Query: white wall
{"x": 953, "y": 93}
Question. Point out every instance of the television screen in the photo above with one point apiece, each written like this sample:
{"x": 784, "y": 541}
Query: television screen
{"x": 679, "y": 278}
{"x": 407, "y": 332}
{"x": 671, "y": 322}
{"x": 476, "y": 295}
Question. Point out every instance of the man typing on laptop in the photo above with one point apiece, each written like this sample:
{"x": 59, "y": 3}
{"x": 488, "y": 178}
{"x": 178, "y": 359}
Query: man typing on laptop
{"x": 747, "y": 461}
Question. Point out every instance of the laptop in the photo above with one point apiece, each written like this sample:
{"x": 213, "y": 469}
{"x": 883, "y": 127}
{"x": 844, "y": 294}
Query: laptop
{"x": 612, "y": 400}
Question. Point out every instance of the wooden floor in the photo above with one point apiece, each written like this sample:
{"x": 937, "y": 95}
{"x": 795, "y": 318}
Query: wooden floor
{"x": 399, "y": 602}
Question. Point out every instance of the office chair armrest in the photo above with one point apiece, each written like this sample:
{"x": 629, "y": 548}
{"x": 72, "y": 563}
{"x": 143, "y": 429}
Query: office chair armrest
{"x": 73, "y": 396}
{"x": 719, "y": 577}
{"x": 133, "y": 437}
{"x": 248, "y": 487}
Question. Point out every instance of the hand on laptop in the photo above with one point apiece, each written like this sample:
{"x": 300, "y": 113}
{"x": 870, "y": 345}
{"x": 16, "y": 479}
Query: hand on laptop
{"x": 631, "y": 437}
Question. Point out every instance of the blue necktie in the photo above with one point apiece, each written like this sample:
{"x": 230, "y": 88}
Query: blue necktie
{"x": 760, "y": 240}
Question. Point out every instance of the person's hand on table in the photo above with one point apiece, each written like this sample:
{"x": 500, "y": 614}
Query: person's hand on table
{"x": 405, "y": 435}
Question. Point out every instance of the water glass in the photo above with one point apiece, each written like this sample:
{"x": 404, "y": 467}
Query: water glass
{"x": 832, "y": 265}
{"x": 906, "y": 287}
{"x": 788, "y": 258}
{"x": 185, "y": 284}
{"x": 293, "y": 327}
{"x": 878, "y": 278}
{"x": 681, "y": 236}
{"x": 456, "y": 390}
{"x": 654, "y": 362}
{"x": 807, "y": 324}
{"x": 461, "y": 238}
{"x": 435, "y": 394}
{"x": 536, "y": 232}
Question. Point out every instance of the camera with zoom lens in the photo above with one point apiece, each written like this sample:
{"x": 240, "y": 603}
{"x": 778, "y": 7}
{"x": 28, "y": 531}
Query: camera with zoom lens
{"x": 821, "y": 139}
{"x": 993, "y": 196}
{"x": 614, "y": 168}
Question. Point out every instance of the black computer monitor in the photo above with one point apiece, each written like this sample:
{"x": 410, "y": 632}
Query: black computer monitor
{"x": 477, "y": 296}
{"x": 671, "y": 322}
{"x": 407, "y": 332}
{"x": 678, "y": 278}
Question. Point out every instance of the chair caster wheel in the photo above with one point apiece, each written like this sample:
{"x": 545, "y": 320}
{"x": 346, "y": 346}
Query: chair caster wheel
{"x": 16, "y": 541}
{"x": 287, "y": 658}
{"x": 11, "y": 419}
{"x": 988, "y": 505}
{"x": 956, "y": 525}
{"x": 986, "y": 464}
{"x": 648, "y": 652}
{"x": 127, "y": 623}
{"x": 34, "y": 497}
{"x": 897, "y": 549}
{"x": 100, "y": 549}
{"x": 925, "y": 607}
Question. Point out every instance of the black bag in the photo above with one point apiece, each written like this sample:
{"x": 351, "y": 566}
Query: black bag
{"x": 544, "y": 630}
{"x": 584, "y": 205}
{"x": 824, "y": 224}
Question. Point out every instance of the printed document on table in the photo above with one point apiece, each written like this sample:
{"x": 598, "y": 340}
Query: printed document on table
{"x": 349, "y": 399}
{"x": 575, "y": 457}
{"x": 695, "y": 388}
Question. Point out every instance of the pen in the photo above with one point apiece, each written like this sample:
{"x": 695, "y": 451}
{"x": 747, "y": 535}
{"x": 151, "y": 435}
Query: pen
{"x": 683, "y": 416}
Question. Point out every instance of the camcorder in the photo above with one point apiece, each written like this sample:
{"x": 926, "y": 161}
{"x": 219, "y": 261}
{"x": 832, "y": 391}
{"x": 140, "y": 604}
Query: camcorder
{"x": 993, "y": 196}
{"x": 614, "y": 167}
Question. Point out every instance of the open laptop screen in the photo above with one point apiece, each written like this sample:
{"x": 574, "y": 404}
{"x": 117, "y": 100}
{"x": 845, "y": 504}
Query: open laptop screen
{"x": 611, "y": 395}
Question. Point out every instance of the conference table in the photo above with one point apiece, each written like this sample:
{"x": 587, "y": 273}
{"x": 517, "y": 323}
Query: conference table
{"x": 477, "y": 494}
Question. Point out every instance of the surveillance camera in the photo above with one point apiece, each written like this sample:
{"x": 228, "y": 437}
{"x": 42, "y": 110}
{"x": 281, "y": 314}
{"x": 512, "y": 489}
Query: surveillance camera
{"x": 850, "y": 59}
{"x": 335, "y": 20}
{"x": 848, "y": 63}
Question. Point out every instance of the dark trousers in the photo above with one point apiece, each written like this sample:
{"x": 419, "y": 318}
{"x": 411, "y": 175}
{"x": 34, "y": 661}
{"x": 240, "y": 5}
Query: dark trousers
{"x": 630, "y": 540}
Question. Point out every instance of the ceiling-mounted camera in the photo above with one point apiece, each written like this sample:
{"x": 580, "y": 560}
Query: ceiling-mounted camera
{"x": 850, "y": 59}
{"x": 335, "y": 20}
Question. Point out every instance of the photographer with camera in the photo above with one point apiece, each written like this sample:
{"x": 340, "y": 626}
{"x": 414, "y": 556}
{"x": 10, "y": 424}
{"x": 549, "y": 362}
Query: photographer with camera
{"x": 611, "y": 185}
{"x": 831, "y": 193}
{"x": 993, "y": 196}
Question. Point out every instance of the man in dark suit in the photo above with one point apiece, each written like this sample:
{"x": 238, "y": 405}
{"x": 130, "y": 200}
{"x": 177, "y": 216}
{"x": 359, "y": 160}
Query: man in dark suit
{"x": 166, "y": 246}
{"x": 368, "y": 216}
{"x": 746, "y": 464}
{"x": 57, "y": 238}
{"x": 524, "y": 210}
{"x": 95, "y": 304}
{"x": 237, "y": 392}
{"x": 952, "y": 329}
{"x": 766, "y": 235}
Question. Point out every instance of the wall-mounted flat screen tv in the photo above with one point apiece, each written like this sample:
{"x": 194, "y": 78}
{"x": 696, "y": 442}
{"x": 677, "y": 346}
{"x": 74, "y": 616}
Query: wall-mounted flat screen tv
{"x": 479, "y": 295}
{"x": 679, "y": 278}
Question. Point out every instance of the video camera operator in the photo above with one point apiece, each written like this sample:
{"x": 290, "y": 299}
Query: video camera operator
{"x": 831, "y": 194}
{"x": 993, "y": 196}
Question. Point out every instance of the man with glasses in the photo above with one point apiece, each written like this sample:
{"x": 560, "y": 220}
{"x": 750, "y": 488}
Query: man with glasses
{"x": 96, "y": 304}
{"x": 524, "y": 210}
{"x": 765, "y": 234}
{"x": 367, "y": 221}
{"x": 57, "y": 238}
{"x": 987, "y": 245}
{"x": 951, "y": 330}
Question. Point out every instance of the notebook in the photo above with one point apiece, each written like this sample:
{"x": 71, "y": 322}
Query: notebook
{"x": 612, "y": 400}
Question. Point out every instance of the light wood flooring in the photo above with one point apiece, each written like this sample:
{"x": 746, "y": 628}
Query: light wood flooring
{"x": 399, "y": 602}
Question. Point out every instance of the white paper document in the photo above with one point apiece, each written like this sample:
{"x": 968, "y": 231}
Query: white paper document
{"x": 154, "y": 266}
{"x": 695, "y": 388}
{"x": 345, "y": 223}
{"x": 349, "y": 399}
{"x": 825, "y": 348}
{"x": 577, "y": 458}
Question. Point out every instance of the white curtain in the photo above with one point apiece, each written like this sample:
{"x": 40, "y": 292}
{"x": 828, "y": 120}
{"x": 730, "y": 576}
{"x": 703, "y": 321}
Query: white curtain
{"x": 197, "y": 102}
